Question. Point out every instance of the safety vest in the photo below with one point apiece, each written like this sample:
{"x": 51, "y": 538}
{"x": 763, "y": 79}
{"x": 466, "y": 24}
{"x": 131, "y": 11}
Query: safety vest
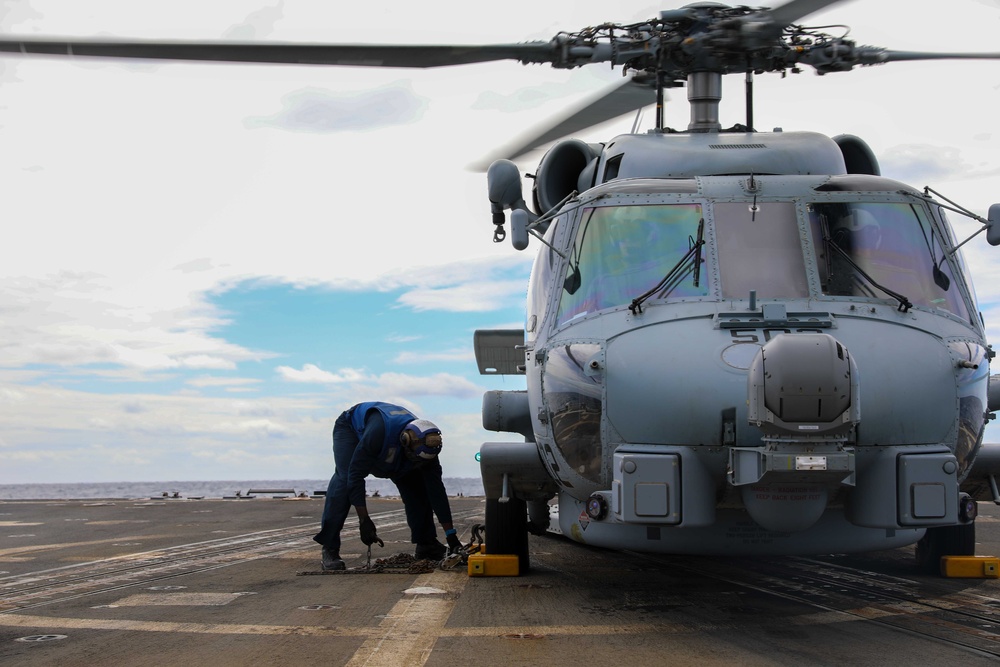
{"x": 391, "y": 460}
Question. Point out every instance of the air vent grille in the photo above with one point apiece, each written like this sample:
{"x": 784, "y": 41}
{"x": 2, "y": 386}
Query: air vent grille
{"x": 737, "y": 146}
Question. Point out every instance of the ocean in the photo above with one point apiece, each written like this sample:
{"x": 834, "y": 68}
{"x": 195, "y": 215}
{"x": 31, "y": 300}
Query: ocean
{"x": 465, "y": 486}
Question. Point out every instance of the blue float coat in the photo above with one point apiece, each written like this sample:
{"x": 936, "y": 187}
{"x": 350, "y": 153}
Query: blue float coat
{"x": 379, "y": 453}
{"x": 366, "y": 442}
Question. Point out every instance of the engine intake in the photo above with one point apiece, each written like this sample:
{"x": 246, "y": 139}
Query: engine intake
{"x": 568, "y": 166}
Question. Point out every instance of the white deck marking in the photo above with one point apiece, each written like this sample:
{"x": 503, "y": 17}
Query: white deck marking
{"x": 25, "y": 621}
{"x": 375, "y": 634}
{"x": 407, "y": 634}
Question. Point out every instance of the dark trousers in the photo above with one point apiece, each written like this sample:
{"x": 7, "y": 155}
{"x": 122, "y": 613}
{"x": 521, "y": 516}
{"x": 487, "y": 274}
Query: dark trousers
{"x": 338, "y": 504}
{"x": 412, "y": 491}
{"x": 419, "y": 515}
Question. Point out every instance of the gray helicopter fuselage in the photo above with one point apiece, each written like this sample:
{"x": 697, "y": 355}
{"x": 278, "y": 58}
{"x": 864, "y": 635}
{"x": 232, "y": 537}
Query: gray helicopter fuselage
{"x": 767, "y": 395}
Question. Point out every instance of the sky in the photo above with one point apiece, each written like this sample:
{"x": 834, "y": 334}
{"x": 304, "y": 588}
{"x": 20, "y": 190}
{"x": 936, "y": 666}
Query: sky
{"x": 202, "y": 265}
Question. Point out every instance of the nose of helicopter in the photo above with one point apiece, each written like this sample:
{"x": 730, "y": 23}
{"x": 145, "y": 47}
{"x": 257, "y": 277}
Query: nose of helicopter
{"x": 776, "y": 415}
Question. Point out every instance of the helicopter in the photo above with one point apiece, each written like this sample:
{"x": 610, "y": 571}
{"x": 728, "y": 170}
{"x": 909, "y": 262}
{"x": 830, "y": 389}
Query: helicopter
{"x": 724, "y": 327}
{"x": 634, "y": 333}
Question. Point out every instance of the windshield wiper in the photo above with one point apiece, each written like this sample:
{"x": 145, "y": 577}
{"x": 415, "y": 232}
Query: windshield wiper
{"x": 697, "y": 259}
{"x": 904, "y": 303}
{"x": 573, "y": 278}
{"x": 675, "y": 272}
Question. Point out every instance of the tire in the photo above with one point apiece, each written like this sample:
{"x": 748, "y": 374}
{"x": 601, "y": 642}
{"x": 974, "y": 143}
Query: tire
{"x": 507, "y": 530}
{"x": 945, "y": 541}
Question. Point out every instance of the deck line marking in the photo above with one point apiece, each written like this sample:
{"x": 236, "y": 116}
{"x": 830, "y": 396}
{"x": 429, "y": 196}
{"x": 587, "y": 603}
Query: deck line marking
{"x": 407, "y": 634}
{"x": 17, "y": 551}
{"x": 26, "y": 621}
{"x": 377, "y": 634}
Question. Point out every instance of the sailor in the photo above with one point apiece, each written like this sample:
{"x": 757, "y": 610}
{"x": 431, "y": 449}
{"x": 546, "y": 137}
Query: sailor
{"x": 387, "y": 441}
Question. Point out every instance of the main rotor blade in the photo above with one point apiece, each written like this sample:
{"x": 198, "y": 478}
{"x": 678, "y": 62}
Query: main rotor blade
{"x": 625, "y": 97}
{"x": 887, "y": 56}
{"x": 356, "y": 55}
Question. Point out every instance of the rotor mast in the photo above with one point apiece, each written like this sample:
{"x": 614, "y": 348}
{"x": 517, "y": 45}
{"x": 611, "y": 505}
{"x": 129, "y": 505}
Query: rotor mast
{"x": 704, "y": 92}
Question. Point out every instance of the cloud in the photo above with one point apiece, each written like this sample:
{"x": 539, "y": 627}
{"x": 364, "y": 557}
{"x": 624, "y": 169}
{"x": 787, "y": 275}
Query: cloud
{"x": 528, "y": 97}
{"x": 195, "y": 265}
{"x": 402, "y": 338}
{"x": 462, "y": 354}
{"x": 86, "y": 319}
{"x": 11, "y": 395}
{"x": 129, "y": 456}
{"x": 314, "y": 110}
{"x": 133, "y": 407}
{"x": 532, "y": 97}
{"x": 212, "y": 381}
{"x": 474, "y": 297}
{"x": 439, "y": 384}
{"x": 258, "y": 24}
{"x": 927, "y": 164}
{"x": 261, "y": 428}
{"x": 254, "y": 409}
{"x": 118, "y": 328}
{"x": 313, "y": 374}
{"x": 466, "y": 286}
{"x": 60, "y": 434}
{"x": 385, "y": 384}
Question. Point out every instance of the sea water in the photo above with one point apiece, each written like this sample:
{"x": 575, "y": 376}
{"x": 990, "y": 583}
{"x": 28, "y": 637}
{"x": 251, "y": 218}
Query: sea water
{"x": 455, "y": 486}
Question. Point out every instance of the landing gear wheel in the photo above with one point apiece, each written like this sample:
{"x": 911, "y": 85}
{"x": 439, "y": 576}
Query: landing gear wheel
{"x": 507, "y": 529}
{"x": 945, "y": 541}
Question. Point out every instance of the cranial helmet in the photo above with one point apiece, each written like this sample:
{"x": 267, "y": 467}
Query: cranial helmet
{"x": 858, "y": 230}
{"x": 861, "y": 220}
{"x": 422, "y": 439}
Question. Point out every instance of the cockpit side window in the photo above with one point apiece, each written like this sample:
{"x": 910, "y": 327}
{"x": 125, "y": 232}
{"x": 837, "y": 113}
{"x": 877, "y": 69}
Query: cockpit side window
{"x": 620, "y": 252}
{"x": 960, "y": 258}
{"x": 540, "y": 284}
{"x": 894, "y": 244}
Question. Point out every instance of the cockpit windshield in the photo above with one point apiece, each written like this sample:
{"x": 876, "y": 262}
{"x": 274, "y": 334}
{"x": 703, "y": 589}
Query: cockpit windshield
{"x": 621, "y": 255}
{"x": 760, "y": 249}
{"x": 620, "y": 252}
{"x": 876, "y": 249}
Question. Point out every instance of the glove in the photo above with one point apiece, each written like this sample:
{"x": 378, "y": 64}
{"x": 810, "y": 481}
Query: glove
{"x": 454, "y": 546}
{"x": 368, "y": 534}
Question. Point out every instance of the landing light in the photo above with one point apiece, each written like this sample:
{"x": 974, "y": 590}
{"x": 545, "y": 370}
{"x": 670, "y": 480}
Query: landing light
{"x": 597, "y": 507}
{"x": 968, "y": 509}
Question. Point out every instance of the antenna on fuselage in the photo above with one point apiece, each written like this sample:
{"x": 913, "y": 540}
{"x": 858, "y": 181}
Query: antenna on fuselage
{"x": 637, "y": 123}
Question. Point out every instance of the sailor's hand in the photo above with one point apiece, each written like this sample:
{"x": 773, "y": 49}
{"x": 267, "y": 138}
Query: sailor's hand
{"x": 368, "y": 534}
{"x": 454, "y": 545}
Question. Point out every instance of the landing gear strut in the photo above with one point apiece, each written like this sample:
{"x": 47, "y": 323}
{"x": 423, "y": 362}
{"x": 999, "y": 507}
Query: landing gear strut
{"x": 945, "y": 541}
{"x": 507, "y": 529}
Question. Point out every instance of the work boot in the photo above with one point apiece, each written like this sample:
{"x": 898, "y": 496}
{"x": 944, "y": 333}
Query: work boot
{"x": 432, "y": 550}
{"x": 332, "y": 561}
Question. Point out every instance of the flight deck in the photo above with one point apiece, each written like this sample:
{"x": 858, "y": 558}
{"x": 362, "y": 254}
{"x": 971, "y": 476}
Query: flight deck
{"x": 177, "y": 581}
